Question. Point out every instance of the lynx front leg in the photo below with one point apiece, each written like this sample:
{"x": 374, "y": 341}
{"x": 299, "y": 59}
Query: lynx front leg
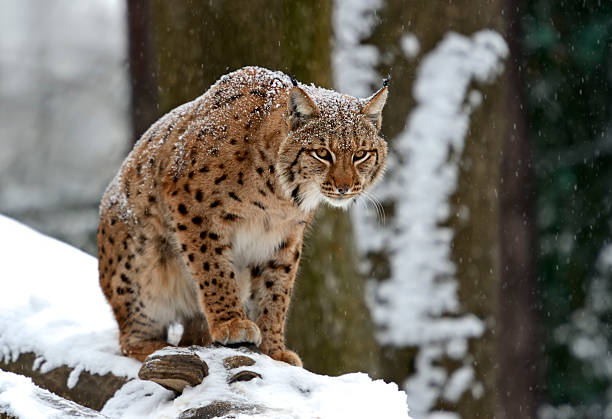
{"x": 206, "y": 255}
{"x": 274, "y": 284}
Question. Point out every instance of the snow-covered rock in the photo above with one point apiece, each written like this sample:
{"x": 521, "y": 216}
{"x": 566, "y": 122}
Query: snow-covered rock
{"x": 51, "y": 305}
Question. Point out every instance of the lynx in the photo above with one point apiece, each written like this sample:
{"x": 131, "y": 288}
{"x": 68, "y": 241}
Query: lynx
{"x": 204, "y": 222}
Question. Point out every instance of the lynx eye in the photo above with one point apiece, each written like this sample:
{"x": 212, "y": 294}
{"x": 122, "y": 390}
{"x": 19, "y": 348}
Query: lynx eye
{"x": 323, "y": 154}
{"x": 360, "y": 155}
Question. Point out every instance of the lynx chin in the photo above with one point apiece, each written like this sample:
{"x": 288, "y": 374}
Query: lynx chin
{"x": 204, "y": 222}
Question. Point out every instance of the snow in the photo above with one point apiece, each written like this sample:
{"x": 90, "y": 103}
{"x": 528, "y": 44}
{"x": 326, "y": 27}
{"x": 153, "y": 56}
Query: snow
{"x": 410, "y": 45}
{"x": 457, "y": 383}
{"x": 353, "y": 63}
{"x": 283, "y": 391}
{"x": 21, "y": 398}
{"x": 51, "y": 304}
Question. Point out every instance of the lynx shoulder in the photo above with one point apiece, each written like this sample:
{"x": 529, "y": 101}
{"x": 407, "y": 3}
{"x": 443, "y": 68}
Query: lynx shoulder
{"x": 204, "y": 222}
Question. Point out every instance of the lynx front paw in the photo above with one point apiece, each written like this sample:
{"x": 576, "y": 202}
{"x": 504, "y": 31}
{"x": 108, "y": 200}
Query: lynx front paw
{"x": 287, "y": 356}
{"x": 236, "y": 331}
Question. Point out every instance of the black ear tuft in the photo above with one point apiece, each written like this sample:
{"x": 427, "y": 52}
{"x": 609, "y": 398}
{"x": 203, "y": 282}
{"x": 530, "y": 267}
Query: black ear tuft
{"x": 386, "y": 80}
{"x": 293, "y": 80}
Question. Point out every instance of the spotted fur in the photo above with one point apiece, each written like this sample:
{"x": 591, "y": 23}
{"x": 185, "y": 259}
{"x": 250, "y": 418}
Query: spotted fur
{"x": 204, "y": 222}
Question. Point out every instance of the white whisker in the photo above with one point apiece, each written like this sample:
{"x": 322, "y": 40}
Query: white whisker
{"x": 380, "y": 211}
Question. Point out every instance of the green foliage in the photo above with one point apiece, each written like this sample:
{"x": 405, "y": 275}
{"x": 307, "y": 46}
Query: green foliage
{"x": 569, "y": 108}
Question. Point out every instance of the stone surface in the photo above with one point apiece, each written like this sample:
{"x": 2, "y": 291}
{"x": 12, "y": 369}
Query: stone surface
{"x": 243, "y": 376}
{"x": 175, "y": 369}
{"x": 219, "y": 409}
{"x": 237, "y": 361}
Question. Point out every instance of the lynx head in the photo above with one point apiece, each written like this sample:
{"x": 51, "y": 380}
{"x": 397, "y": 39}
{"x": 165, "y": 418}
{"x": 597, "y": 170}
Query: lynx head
{"x": 333, "y": 151}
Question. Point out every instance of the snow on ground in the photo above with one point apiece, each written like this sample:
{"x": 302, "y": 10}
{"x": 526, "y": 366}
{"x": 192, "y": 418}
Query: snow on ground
{"x": 51, "y": 304}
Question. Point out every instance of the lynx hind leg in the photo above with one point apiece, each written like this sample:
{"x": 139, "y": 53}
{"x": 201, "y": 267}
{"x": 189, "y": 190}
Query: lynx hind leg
{"x": 124, "y": 264}
{"x": 195, "y": 331}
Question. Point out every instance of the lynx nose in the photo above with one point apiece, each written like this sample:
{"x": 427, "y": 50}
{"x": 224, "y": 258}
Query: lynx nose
{"x": 342, "y": 189}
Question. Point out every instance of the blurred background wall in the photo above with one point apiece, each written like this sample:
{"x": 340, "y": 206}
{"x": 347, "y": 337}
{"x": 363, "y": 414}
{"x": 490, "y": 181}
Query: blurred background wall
{"x": 64, "y": 122}
{"x": 485, "y": 289}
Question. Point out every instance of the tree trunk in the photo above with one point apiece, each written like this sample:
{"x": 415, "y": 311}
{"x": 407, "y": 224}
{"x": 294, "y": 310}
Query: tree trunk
{"x": 481, "y": 246}
{"x": 519, "y": 338}
{"x": 143, "y": 87}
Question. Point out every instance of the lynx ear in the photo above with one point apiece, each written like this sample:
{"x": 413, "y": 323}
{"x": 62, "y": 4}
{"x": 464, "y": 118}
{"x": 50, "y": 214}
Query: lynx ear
{"x": 376, "y": 103}
{"x": 301, "y": 108}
